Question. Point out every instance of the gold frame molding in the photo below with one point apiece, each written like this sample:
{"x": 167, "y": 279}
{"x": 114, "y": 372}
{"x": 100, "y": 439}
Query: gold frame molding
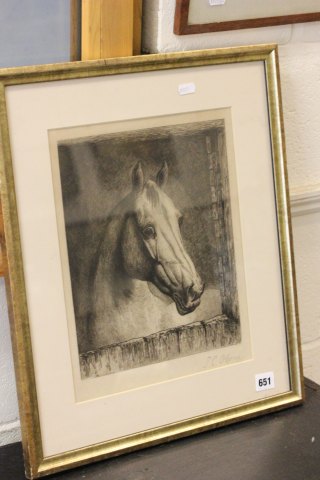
{"x": 36, "y": 464}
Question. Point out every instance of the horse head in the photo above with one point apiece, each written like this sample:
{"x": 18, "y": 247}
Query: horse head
{"x": 152, "y": 246}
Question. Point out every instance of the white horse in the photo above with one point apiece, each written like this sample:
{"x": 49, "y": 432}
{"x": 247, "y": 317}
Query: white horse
{"x": 145, "y": 281}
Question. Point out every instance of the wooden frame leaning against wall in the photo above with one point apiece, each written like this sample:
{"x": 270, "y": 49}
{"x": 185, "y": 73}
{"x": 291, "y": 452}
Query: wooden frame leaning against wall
{"x": 216, "y": 16}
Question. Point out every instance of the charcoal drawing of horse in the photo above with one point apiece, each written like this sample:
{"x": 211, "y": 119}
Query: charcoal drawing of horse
{"x": 145, "y": 281}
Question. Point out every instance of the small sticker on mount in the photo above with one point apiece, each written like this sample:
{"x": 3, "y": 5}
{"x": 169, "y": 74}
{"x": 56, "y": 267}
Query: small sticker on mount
{"x": 214, "y": 3}
{"x": 186, "y": 88}
{"x": 264, "y": 381}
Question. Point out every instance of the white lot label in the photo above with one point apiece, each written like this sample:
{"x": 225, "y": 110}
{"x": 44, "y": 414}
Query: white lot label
{"x": 264, "y": 381}
{"x": 186, "y": 88}
{"x": 213, "y": 3}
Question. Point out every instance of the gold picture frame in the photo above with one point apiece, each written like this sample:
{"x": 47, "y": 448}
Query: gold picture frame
{"x": 48, "y": 114}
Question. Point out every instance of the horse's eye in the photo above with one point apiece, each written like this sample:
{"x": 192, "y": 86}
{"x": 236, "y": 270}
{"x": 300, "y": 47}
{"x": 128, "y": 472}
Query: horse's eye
{"x": 149, "y": 232}
{"x": 180, "y": 220}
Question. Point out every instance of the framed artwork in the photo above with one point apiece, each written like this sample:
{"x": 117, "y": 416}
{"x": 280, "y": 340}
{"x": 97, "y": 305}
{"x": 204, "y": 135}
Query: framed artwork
{"x": 194, "y": 16}
{"x": 150, "y": 274}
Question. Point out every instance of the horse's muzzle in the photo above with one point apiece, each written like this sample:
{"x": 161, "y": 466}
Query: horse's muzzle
{"x": 185, "y": 291}
{"x": 189, "y": 300}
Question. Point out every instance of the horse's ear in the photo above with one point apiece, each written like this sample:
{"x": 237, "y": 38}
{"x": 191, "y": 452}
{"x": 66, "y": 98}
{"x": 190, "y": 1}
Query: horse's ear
{"x": 137, "y": 178}
{"x": 162, "y": 175}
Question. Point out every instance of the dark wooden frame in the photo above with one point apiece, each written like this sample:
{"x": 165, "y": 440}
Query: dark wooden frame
{"x": 181, "y": 26}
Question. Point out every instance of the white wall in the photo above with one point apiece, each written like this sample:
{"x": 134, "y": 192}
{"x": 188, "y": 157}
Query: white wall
{"x": 300, "y": 73}
{"x": 9, "y": 423}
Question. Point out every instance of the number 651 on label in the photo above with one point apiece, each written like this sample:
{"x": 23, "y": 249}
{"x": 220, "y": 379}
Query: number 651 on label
{"x": 264, "y": 381}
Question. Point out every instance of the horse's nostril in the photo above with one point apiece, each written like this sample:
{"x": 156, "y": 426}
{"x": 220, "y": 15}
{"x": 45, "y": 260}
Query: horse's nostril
{"x": 192, "y": 293}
